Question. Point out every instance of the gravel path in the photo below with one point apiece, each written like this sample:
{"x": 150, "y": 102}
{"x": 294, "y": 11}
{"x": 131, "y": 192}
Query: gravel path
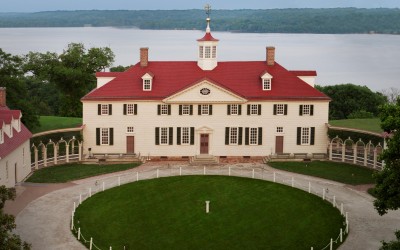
{"x": 45, "y": 221}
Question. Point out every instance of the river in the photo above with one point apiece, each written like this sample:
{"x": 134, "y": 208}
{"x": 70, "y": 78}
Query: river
{"x": 362, "y": 59}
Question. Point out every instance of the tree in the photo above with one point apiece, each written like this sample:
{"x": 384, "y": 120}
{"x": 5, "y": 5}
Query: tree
{"x": 8, "y": 240}
{"x": 12, "y": 77}
{"x": 119, "y": 68}
{"x": 387, "y": 187}
{"x": 351, "y": 100}
{"x": 72, "y": 72}
{"x": 392, "y": 94}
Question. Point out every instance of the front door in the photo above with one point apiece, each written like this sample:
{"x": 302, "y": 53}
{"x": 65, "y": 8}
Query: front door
{"x": 279, "y": 144}
{"x": 203, "y": 143}
{"x": 130, "y": 144}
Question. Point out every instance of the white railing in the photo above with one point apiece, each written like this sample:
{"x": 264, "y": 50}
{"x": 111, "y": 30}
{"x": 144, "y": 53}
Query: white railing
{"x": 255, "y": 173}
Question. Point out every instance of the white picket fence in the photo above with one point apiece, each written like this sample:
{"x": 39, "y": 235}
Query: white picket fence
{"x": 255, "y": 173}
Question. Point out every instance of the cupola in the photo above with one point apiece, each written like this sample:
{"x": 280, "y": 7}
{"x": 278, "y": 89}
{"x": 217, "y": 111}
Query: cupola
{"x": 207, "y": 53}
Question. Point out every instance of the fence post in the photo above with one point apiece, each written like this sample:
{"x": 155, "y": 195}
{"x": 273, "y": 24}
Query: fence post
{"x": 343, "y": 151}
{"x": 253, "y": 173}
{"x": 80, "y": 199}
{"x": 309, "y": 187}
{"x": 274, "y": 177}
{"x": 180, "y": 171}
{"x": 334, "y": 201}
{"x": 119, "y": 180}
{"x": 103, "y": 185}
{"x": 90, "y": 192}
{"x": 36, "y": 157}
{"x": 110, "y": 248}
{"x": 331, "y": 245}
{"x": 341, "y": 208}
{"x": 229, "y": 171}
{"x": 157, "y": 173}
{"x": 79, "y": 233}
{"x": 292, "y": 181}
{"x": 74, "y": 206}
{"x": 137, "y": 176}
{"x": 204, "y": 170}
{"x": 323, "y": 194}
{"x": 72, "y": 221}
{"x": 330, "y": 151}
{"x": 91, "y": 243}
{"x": 341, "y": 235}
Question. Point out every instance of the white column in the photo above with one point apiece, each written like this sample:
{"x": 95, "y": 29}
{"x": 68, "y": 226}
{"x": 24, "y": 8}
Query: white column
{"x": 207, "y": 207}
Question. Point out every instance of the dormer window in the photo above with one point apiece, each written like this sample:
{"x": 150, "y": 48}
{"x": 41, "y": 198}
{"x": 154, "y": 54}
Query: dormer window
{"x": 266, "y": 80}
{"x": 147, "y": 82}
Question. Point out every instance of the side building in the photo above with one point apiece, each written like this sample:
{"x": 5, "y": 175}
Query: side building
{"x": 182, "y": 109}
{"x": 15, "y": 158}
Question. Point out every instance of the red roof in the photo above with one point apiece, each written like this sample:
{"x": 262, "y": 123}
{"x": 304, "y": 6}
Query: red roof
{"x": 242, "y": 78}
{"x": 207, "y": 37}
{"x": 18, "y": 138}
{"x": 304, "y": 72}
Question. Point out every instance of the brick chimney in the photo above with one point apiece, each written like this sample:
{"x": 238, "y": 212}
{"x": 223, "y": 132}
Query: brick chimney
{"x": 144, "y": 57}
{"x": 3, "y": 102}
{"x": 270, "y": 56}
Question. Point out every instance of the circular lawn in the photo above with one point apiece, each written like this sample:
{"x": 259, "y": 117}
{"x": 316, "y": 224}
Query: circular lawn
{"x": 170, "y": 213}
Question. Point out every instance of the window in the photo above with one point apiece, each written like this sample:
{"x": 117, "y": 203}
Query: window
{"x": 164, "y": 135}
{"x": 305, "y": 135}
{"x": 104, "y": 109}
{"x": 201, "y": 51}
{"x": 104, "y": 136}
{"x": 147, "y": 84}
{"x": 233, "y": 136}
{"x": 266, "y": 84}
{"x": 234, "y": 109}
{"x": 205, "y": 109}
{"x": 280, "y": 109}
{"x": 130, "y": 129}
{"x": 185, "y": 109}
{"x": 147, "y": 81}
{"x": 164, "y": 109}
{"x": 185, "y": 136}
{"x": 279, "y": 130}
{"x": 207, "y": 53}
{"x": 253, "y": 136}
{"x": 205, "y": 91}
{"x": 306, "y": 109}
{"x": 214, "y": 52}
{"x": 254, "y": 109}
{"x": 130, "y": 109}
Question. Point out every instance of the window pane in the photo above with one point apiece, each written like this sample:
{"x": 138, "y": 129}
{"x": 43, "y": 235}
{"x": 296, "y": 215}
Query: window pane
{"x": 185, "y": 109}
{"x": 130, "y": 129}
{"x": 254, "y": 109}
{"x": 233, "y": 136}
{"x": 204, "y": 109}
{"x": 280, "y": 109}
{"x": 207, "y": 52}
{"x": 306, "y": 109}
{"x": 104, "y": 109}
{"x": 305, "y": 136}
{"x": 164, "y": 136}
{"x": 253, "y": 136}
{"x": 164, "y": 109}
{"x": 185, "y": 135}
{"x": 234, "y": 109}
{"x": 104, "y": 136}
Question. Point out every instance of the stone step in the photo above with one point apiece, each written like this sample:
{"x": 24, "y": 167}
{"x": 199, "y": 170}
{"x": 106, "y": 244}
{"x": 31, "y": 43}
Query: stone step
{"x": 204, "y": 160}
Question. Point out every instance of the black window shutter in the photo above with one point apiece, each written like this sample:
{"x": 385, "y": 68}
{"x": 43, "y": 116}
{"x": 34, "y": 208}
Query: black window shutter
{"x": 240, "y": 136}
{"x": 178, "y": 135}
{"x": 312, "y": 137}
{"x": 124, "y": 109}
{"x": 199, "y": 109}
{"x": 311, "y": 109}
{"x": 157, "y": 136}
{"x": 246, "y": 136}
{"x": 191, "y": 135}
{"x": 229, "y": 109}
{"x": 191, "y": 109}
{"x": 99, "y": 109}
{"x": 259, "y": 109}
{"x": 171, "y": 136}
{"x": 109, "y": 109}
{"x": 159, "y": 109}
{"x": 135, "y": 109}
{"x": 210, "y": 109}
{"x": 239, "y": 109}
{"x": 298, "y": 135}
{"x": 111, "y": 136}
{"x": 248, "y": 109}
{"x": 226, "y": 135}
{"x": 285, "y": 110}
{"x": 301, "y": 110}
{"x": 97, "y": 136}
{"x": 275, "y": 109}
{"x": 169, "y": 109}
{"x": 260, "y": 136}
{"x": 180, "y": 109}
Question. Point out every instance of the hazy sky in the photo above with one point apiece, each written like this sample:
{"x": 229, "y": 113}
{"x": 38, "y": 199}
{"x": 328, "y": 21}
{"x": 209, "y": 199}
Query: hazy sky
{"x": 48, "y": 5}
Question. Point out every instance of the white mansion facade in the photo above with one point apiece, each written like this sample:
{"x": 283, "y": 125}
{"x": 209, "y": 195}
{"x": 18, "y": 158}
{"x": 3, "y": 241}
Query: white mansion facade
{"x": 181, "y": 109}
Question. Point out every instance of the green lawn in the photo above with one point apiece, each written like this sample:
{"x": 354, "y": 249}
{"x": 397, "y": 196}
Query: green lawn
{"x": 74, "y": 171}
{"x": 55, "y": 122}
{"x": 169, "y": 213}
{"x": 372, "y": 124}
{"x": 340, "y": 172}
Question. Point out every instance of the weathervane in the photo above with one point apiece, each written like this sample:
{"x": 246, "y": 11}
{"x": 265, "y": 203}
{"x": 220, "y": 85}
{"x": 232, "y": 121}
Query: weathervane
{"x": 207, "y": 8}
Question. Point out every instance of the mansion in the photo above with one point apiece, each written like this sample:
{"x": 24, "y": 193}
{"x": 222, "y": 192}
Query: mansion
{"x": 179, "y": 109}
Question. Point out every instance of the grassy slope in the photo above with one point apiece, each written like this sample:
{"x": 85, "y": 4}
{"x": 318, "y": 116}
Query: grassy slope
{"x": 169, "y": 213}
{"x": 55, "y": 122}
{"x": 364, "y": 124}
{"x": 340, "y": 172}
{"x": 69, "y": 172}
